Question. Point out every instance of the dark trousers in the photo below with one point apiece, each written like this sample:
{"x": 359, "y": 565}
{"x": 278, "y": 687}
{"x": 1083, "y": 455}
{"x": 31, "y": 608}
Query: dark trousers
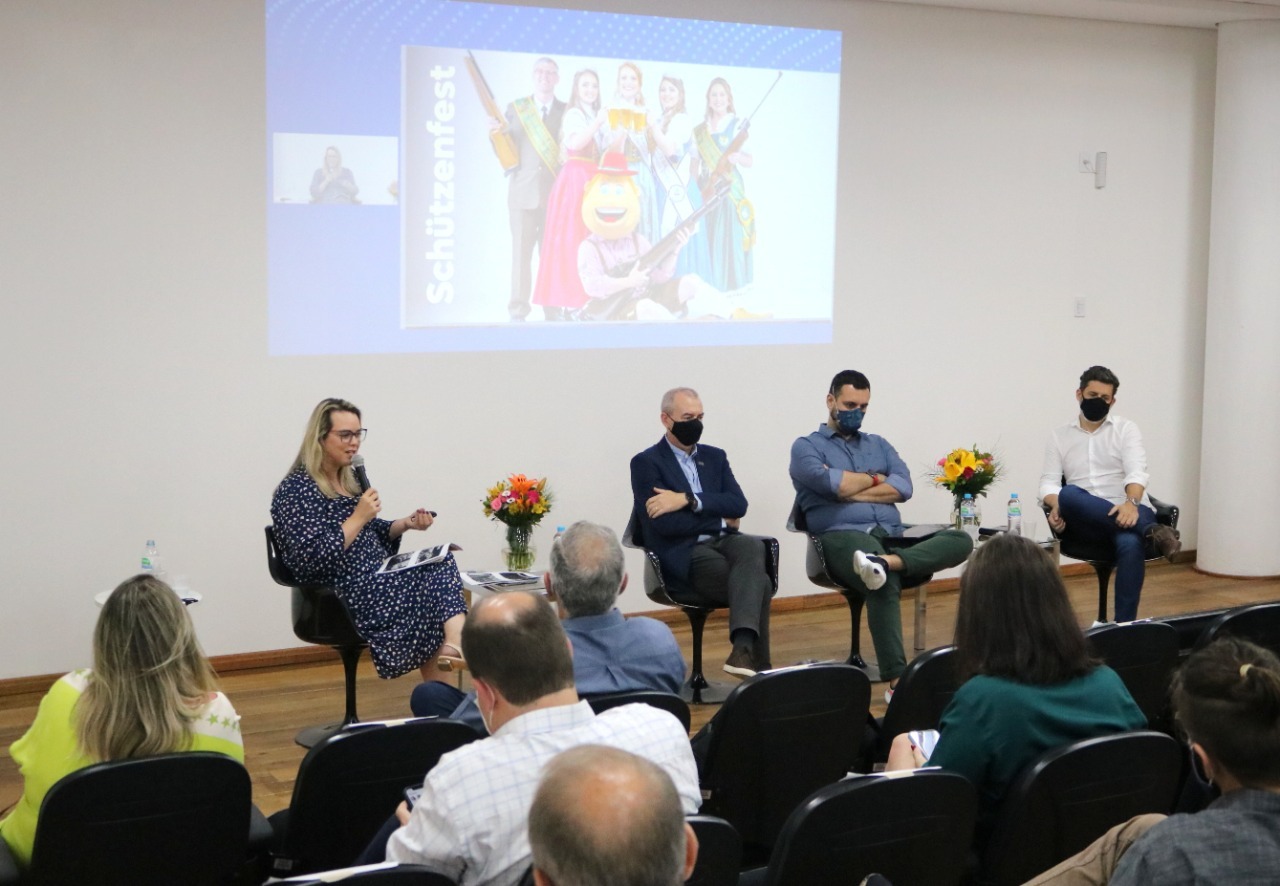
{"x": 729, "y": 570}
{"x": 1087, "y": 519}
{"x": 526, "y": 233}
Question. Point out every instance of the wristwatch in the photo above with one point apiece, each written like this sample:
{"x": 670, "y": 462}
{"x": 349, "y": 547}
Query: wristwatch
{"x": 1133, "y": 501}
{"x": 693, "y": 501}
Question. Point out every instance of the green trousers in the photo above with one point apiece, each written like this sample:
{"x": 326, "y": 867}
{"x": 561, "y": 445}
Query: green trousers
{"x": 945, "y": 549}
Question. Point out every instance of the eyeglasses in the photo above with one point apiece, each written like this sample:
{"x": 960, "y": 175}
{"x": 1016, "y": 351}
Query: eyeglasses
{"x": 348, "y": 436}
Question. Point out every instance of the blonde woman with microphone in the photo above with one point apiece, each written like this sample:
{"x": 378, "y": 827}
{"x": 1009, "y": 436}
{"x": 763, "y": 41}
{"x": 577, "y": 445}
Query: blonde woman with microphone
{"x": 327, "y": 525}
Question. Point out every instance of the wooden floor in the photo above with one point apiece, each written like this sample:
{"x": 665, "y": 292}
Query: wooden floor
{"x": 276, "y": 702}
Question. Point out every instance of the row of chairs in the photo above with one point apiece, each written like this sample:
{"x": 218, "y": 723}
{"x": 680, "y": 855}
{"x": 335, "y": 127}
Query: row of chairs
{"x": 185, "y": 818}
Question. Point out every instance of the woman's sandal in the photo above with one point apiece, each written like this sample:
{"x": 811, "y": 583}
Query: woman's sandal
{"x": 450, "y": 663}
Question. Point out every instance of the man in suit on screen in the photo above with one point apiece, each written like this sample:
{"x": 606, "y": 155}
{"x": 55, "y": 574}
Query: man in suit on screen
{"x": 689, "y": 506}
{"x": 533, "y": 122}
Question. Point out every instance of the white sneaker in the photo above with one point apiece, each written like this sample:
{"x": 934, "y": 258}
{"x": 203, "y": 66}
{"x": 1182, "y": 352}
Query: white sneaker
{"x": 871, "y": 572}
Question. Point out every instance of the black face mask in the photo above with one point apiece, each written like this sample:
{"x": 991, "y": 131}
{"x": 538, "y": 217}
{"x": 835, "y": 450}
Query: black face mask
{"x": 687, "y": 432}
{"x": 1094, "y": 408}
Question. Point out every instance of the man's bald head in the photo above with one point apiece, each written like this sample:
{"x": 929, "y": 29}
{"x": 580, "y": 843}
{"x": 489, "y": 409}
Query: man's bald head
{"x": 514, "y": 642}
{"x": 602, "y": 815}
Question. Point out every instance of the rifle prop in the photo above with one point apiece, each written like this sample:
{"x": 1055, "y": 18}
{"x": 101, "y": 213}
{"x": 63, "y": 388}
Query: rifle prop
{"x": 724, "y": 169}
{"x": 503, "y": 146}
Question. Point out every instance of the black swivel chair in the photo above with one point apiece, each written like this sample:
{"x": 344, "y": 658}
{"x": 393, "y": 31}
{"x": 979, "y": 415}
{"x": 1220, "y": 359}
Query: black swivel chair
{"x": 1072, "y": 795}
{"x": 1101, "y": 555}
{"x": 672, "y": 704}
{"x": 320, "y": 617}
{"x": 910, "y": 827}
{"x": 349, "y": 783}
{"x": 697, "y": 689}
{"x": 1144, "y": 654}
{"x": 780, "y": 736}
{"x": 815, "y": 564}
{"x": 719, "y": 852}
{"x": 1258, "y": 624}
{"x": 152, "y": 820}
{"x": 924, "y": 691}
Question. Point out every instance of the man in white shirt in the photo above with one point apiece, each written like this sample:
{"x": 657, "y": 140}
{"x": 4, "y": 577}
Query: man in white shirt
{"x": 470, "y": 823}
{"x": 1094, "y": 483}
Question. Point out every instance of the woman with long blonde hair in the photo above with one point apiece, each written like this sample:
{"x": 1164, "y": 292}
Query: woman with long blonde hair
{"x": 151, "y": 691}
{"x": 330, "y": 533}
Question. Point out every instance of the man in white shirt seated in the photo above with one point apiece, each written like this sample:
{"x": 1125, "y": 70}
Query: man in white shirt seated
{"x": 602, "y": 815}
{"x": 1101, "y": 459}
{"x": 470, "y": 823}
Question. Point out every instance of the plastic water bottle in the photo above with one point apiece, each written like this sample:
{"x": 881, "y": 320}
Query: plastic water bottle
{"x": 1015, "y": 515}
{"x": 559, "y": 532}
{"x": 969, "y": 515}
{"x": 151, "y": 559}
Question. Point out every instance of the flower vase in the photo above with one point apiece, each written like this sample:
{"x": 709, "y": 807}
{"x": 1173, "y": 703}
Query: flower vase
{"x": 519, "y": 552}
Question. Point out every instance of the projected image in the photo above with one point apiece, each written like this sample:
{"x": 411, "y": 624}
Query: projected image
{"x": 621, "y": 191}
{"x": 335, "y": 170}
{"x": 550, "y": 191}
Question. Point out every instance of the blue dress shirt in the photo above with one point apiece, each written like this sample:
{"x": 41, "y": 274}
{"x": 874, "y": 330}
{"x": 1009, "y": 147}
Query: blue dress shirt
{"x": 818, "y": 462}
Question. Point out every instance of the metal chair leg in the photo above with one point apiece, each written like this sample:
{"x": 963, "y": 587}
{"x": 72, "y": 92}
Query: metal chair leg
{"x": 313, "y": 735}
{"x": 1104, "y": 579}
{"x": 698, "y": 689}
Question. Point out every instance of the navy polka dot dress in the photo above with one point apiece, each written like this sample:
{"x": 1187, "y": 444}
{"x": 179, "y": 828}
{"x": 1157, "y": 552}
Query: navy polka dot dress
{"x": 402, "y": 615}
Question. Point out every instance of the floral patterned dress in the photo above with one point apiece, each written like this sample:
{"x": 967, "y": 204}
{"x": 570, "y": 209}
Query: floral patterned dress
{"x": 402, "y": 614}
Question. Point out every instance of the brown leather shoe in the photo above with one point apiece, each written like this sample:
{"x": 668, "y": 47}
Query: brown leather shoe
{"x": 1164, "y": 541}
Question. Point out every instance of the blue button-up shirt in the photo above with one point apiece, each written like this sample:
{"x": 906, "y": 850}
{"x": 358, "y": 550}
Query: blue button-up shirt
{"x": 818, "y": 463}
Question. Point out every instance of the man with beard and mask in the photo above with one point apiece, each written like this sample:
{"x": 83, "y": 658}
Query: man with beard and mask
{"x": 1094, "y": 484}
{"x": 689, "y": 507}
{"x": 848, "y": 484}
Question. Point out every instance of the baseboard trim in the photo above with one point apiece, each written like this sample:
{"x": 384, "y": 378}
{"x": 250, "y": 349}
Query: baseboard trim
{"x": 301, "y": 655}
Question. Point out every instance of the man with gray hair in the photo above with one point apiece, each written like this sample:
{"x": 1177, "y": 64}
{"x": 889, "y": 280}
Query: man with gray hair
{"x": 603, "y": 815}
{"x": 610, "y": 653}
{"x": 687, "y": 506}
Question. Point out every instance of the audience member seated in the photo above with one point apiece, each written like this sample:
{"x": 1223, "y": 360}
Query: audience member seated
{"x": 151, "y": 691}
{"x": 1029, "y": 684}
{"x": 602, "y": 815}
{"x": 690, "y": 507}
{"x": 610, "y": 653}
{"x": 470, "y": 823}
{"x": 848, "y": 484}
{"x": 1227, "y": 700}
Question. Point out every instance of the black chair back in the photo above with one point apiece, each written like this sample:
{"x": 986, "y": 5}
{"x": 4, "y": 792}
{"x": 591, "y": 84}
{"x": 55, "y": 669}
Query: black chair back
{"x": 924, "y": 690}
{"x": 911, "y": 828}
{"x": 672, "y": 704}
{"x": 719, "y": 852}
{"x": 1072, "y": 795}
{"x": 780, "y": 736}
{"x": 400, "y": 875}
{"x": 350, "y": 782}
{"x": 1259, "y": 624}
{"x": 152, "y": 820}
{"x": 1144, "y": 654}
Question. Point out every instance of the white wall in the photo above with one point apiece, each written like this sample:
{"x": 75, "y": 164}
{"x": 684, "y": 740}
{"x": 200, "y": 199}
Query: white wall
{"x": 141, "y": 401}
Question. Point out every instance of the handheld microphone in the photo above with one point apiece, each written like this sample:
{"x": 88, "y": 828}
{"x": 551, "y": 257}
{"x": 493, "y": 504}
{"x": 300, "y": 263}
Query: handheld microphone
{"x": 357, "y": 465}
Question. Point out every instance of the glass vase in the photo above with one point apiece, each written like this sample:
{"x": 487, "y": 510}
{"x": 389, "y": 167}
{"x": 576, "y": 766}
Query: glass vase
{"x": 519, "y": 553}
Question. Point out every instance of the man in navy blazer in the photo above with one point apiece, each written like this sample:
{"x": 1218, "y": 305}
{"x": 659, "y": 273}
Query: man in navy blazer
{"x": 689, "y": 505}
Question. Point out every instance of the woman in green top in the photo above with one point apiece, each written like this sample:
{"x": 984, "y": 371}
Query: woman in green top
{"x": 1029, "y": 682}
{"x": 151, "y": 691}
